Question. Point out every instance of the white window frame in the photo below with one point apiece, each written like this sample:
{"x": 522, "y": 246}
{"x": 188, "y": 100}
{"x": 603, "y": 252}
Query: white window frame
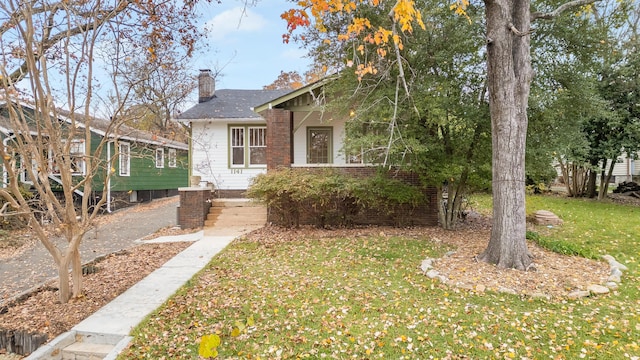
{"x": 124, "y": 159}
{"x": 159, "y": 158}
{"x": 257, "y": 140}
{"x": 173, "y": 158}
{"x": 233, "y": 144}
{"x": 252, "y": 137}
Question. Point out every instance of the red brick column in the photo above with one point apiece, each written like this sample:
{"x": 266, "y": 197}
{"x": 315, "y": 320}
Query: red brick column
{"x": 194, "y": 207}
{"x": 278, "y": 138}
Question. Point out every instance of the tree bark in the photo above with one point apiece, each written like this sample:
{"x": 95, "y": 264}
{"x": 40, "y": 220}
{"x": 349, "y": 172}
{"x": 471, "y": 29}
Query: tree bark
{"x": 64, "y": 291}
{"x": 509, "y": 76}
{"x": 605, "y": 178}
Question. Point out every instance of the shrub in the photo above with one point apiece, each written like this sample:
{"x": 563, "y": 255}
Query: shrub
{"x": 330, "y": 197}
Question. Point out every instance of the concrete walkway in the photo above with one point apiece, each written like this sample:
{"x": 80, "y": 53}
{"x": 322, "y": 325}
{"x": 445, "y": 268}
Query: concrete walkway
{"x": 104, "y": 334}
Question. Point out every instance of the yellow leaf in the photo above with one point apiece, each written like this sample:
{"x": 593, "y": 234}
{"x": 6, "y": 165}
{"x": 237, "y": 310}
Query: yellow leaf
{"x": 235, "y": 332}
{"x": 208, "y": 345}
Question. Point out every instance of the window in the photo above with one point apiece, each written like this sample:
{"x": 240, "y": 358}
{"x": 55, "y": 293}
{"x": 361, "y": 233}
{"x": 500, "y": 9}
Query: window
{"x": 248, "y": 146}
{"x": 257, "y": 146}
{"x": 124, "y": 149}
{"x": 319, "y": 143}
{"x": 160, "y": 158}
{"x": 237, "y": 146}
{"x": 172, "y": 158}
{"x": 76, "y": 152}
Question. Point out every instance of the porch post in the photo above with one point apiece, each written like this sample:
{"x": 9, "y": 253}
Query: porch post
{"x": 279, "y": 139}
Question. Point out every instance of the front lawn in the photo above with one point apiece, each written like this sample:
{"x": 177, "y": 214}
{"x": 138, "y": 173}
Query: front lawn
{"x": 360, "y": 294}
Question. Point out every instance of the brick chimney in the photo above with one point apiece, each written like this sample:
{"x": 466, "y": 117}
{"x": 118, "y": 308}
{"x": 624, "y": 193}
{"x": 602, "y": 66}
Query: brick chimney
{"x": 206, "y": 85}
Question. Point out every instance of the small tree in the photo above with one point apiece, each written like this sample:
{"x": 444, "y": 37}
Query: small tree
{"x": 48, "y": 56}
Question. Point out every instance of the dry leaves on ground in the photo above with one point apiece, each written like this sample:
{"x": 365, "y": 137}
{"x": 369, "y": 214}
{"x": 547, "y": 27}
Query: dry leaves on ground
{"x": 41, "y": 312}
{"x": 555, "y": 276}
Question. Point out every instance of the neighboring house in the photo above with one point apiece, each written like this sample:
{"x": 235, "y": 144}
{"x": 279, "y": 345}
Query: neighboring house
{"x": 238, "y": 134}
{"x": 143, "y": 166}
{"x": 625, "y": 169}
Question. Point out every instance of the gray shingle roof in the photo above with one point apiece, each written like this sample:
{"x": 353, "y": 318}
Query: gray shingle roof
{"x": 231, "y": 104}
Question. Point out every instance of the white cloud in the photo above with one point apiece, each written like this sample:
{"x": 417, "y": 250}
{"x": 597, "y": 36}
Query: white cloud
{"x": 235, "y": 20}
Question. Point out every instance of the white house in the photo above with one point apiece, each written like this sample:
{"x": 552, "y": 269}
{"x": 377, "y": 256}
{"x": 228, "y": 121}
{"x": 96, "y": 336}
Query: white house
{"x": 229, "y": 138}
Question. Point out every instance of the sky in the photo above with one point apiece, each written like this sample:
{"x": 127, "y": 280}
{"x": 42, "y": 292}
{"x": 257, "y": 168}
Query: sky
{"x": 247, "y": 48}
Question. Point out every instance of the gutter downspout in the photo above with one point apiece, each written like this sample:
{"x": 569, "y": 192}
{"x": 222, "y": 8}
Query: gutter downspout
{"x": 109, "y": 176}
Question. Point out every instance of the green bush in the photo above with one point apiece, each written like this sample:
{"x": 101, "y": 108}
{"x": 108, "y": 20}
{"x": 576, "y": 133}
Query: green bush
{"x": 330, "y": 197}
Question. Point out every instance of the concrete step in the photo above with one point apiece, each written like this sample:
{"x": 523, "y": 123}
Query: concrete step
{"x": 248, "y": 213}
{"x": 86, "y": 351}
{"x": 233, "y": 203}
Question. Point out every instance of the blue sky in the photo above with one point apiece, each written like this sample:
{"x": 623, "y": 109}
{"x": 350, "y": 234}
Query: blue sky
{"x": 248, "y": 47}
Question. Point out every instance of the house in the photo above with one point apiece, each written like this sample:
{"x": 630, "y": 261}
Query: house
{"x": 238, "y": 134}
{"x": 229, "y": 133}
{"x": 143, "y": 166}
{"x": 624, "y": 170}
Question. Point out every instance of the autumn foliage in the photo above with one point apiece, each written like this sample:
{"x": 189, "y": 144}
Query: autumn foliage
{"x": 403, "y": 13}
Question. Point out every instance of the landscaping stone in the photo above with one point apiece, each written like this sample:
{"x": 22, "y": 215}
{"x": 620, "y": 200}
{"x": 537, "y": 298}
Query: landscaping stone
{"x": 613, "y": 263}
{"x": 577, "y": 294}
{"x": 615, "y": 272}
{"x": 538, "y": 295}
{"x": 544, "y": 217}
{"x": 507, "y": 291}
{"x": 480, "y": 288}
{"x": 432, "y": 274}
{"x": 612, "y": 285}
{"x": 598, "y": 289}
{"x": 426, "y": 265}
{"x": 613, "y": 278}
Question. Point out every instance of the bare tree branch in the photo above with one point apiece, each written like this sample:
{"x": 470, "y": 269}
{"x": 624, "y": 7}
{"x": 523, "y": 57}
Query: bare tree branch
{"x": 561, "y": 9}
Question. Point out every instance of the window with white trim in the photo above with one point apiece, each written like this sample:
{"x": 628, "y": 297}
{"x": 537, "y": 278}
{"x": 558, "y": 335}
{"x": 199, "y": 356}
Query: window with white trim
{"x": 237, "y": 146}
{"x": 248, "y": 146}
{"x": 124, "y": 149}
{"x": 173, "y": 158}
{"x": 76, "y": 152}
{"x": 160, "y": 158}
{"x": 257, "y": 146}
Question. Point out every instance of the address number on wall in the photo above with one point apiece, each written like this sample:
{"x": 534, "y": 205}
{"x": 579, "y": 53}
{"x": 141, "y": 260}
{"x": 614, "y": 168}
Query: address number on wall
{"x": 236, "y": 171}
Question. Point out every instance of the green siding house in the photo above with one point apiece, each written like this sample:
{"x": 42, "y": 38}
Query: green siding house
{"x": 143, "y": 166}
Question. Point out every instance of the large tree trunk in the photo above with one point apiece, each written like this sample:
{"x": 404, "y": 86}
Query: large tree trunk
{"x": 509, "y": 75}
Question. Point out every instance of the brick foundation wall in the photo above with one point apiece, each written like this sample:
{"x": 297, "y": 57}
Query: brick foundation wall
{"x": 425, "y": 214}
{"x": 194, "y": 207}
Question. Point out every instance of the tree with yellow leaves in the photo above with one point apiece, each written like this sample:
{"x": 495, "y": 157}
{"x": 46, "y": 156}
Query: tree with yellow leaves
{"x": 509, "y": 75}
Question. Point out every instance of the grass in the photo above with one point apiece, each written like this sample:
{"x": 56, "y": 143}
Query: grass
{"x": 365, "y": 298}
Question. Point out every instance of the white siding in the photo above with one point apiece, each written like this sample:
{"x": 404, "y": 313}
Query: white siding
{"x": 210, "y": 159}
{"x": 316, "y": 119}
{"x": 624, "y": 170}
